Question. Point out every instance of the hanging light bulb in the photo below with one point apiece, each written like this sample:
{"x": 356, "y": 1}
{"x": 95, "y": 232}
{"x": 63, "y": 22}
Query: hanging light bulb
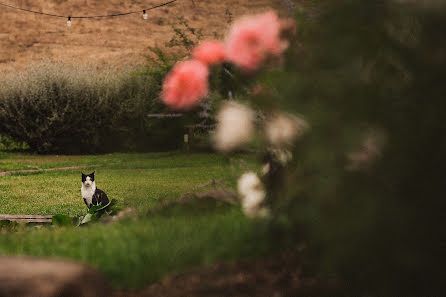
{"x": 145, "y": 15}
{"x": 69, "y": 22}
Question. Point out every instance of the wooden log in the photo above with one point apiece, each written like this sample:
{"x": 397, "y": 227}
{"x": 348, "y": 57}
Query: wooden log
{"x": 27, "y": 218}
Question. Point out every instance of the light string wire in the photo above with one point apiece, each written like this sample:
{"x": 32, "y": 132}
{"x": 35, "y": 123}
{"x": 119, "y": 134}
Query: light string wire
{"x": 87, "y": 17}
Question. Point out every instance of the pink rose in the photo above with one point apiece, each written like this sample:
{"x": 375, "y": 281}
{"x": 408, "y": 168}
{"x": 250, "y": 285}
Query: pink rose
{"x": 252, "y": 38}
{"x": 186, "y": 84}
{"x": 210, "y": 52}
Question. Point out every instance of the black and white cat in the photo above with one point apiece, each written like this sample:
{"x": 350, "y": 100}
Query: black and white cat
{"x": 91, "y": 194}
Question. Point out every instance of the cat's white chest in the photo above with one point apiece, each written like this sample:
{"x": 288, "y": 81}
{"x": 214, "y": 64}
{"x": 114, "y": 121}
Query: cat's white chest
{"x": 87, "y": 193}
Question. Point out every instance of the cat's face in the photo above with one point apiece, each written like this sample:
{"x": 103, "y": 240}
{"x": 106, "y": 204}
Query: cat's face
{"x": 88, "y": 179}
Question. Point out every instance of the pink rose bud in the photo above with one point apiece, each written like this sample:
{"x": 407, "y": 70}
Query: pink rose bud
{"x": 210, "y": 52}
{"x": 185, "y": 85}
{"x": 252, "y": 38}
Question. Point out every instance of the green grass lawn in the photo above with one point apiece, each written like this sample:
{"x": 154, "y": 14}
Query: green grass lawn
{"x": 134, "y": 252}
{"x": 134, "y": 180}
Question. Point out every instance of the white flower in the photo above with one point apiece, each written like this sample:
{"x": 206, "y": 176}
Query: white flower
{"x": 266, "y": 168}
{"x": 368, "y": 151}
{"x": 282, "y": 156}
{"x": 283, "y": 129}
{"x": 86, "y": 219}
{"x": 235, "y": 126}
{"x": 252, "y": 195}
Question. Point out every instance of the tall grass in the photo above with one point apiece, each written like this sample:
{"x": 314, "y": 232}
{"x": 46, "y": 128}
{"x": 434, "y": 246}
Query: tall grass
{"x": 133, "y": 253}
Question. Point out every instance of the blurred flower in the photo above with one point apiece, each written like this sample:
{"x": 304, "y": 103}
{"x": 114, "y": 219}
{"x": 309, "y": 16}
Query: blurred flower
{"x": 186, "y": 84}
{"x": 283, "y": 129}
{"x": 281, "y": 156}
{"x": 257, "y": 89}
{"x": 266, "y": 168}
{"x": 368, "y": 152}
{"x": 252, "y": 195}
{"x": 235, "y": 126}
{"x": 252, "y": 38}
{"x": 210, "y": 52}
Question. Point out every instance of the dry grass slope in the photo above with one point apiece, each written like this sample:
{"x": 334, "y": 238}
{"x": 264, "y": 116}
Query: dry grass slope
{"x": 111, "y": 42}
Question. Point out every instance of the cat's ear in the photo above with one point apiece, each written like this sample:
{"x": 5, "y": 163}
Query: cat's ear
{"x": 92, "y": 173}
{"x": 84, "y": 177}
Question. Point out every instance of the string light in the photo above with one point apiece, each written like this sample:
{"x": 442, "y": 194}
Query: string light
{"x": 145, "y": 15}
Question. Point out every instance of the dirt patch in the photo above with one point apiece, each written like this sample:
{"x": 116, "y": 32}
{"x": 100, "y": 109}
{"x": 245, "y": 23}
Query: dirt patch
{"x": 44, "y": 170}
{"x": 277, "y": 276}
{"x": 111, "y": 42}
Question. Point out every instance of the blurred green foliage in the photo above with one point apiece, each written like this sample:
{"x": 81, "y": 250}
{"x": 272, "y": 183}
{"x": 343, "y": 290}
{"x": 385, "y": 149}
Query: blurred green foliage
{"x": 63, "y": 220}
{"x": 365, "y": 194}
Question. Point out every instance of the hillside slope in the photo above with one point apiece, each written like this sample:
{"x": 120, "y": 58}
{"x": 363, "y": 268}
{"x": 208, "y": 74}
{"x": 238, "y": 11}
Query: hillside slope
{"x": 111, "y": 42}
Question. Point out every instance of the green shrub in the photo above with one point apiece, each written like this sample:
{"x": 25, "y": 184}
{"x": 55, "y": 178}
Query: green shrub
{"x": 8, "y": 144}
{"x": 67, "y": 109}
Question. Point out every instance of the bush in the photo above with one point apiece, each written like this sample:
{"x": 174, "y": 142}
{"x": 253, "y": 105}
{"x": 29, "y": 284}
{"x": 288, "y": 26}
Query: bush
{"x": 365, "y": 191}
{"x": 67, "y": 109}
